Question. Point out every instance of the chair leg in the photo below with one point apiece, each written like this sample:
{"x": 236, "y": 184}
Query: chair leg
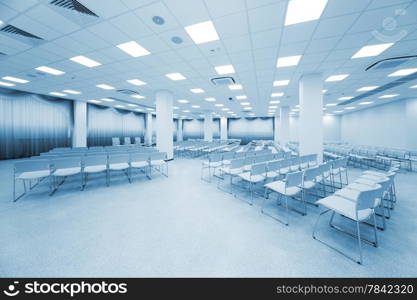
{"x": 375, "y": 230}
{"x": 359, "y": 243}
{"x": 14, "y": 188}
{"x": 251, "y": 193}
{"x": 263, "y": 201}
{"x": 286, "y": 208}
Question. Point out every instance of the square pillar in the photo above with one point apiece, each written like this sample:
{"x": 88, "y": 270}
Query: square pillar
{"x": 223, "y": 128}
{"x": 208, "y": 128}
{"x": 311, "y": 115}
{"x": 164, "y": 124}
{"x": 148, "y": 130}
{"x": 79, "y": 133}
{"x": 180, "y": 136}
{"x": 284, "y": 126}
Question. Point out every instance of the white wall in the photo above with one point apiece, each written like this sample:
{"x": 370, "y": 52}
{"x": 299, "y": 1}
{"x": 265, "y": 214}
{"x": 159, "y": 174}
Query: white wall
{"x": 389, "y": 125}
{"x": 331, "y": 128}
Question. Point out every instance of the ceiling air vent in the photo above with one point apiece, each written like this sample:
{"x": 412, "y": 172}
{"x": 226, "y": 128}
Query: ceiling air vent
{"x": 223, "y": 81}
{"x": 14, "y": 30}
{"x": 128, "y": 92}
{"x": 392, "y": 62}
{"x": 73, "y": 5}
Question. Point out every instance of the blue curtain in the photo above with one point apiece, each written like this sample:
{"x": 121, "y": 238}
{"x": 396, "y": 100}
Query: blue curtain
{"x": 31, "y": 124}
{"x": 193, "y": 129}
{"x": 248, "y": 129}
{"x": 105, "y": 123}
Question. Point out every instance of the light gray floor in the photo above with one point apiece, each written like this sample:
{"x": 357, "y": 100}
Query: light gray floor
{"x": 182, "y": 226}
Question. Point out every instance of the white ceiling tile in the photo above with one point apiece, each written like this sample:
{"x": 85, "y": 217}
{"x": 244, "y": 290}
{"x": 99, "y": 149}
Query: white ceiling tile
{"x": 231, "y": 25}
{"x": 298, "y": 32}
{"x": 340, "y": 7}
{"x": 105, "y": 9}
{"x": 219, "y": 8}
{"x": 131, "y": 25}
{"x": 237, "y": 44}
{"x": 109, "y": 33}
{"x": 267, "y": 17}
{"x": 157, "y": 9}
{"x": 188, "y": 12}
{"x": 334, "y": 26}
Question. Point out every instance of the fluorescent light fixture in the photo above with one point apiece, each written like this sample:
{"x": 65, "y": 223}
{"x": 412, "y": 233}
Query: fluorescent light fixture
{"x": 150, "y": 109}
{"x": 225, "y": 69}
{"x": 218, "y": 105}
{"x": 6, "y": 83}
{"x": 272, "y": 107}
{"x": 366, "y": 103}
{"x": 138, "y": 96}
{"x": 72, "y": 92}
{"x": 247, "y": 108}
{"x": 245, "y": 103}
{"x": 331, "y": 104}
{"x": 57, "y": 94}
{"x": 388, "y": 96}
{"x": 274, "y": 95}
{"x": 94, "y": 101}
{"x": 175, "y": 107}
{"x": 288, "y": 61}
{"x": 225, "y": 109}
{"x": 372, "y": 50}
{"x": 186, "y": 111}
{"x": 139, "y": 109}
{"x": 367, "y": 88}
{"x": 105, "y": 86}
{"x": 202, "y": 32}
{"x": 83, "y": 60}
{"x": 175, "y": 76}
{"x": 210, "y": 99}
{"x": 324, "y": 91}
{"x": 49, "y": 70}
{"x": 337, "y": 77}
{"x": 183, "y": 101}
{"x": 403, "y": 72}
{"x": 413, "y": 87}
{"x": 345, "y": 98}
{"x": 132, "y": 105}
{"x": 195, "y": 106}
{"x": 15, "y": 79}
{"x": 350, "y": 107}
{"x": 136, "y": 82}
{"x": 300, "y": 11}
{"x": 1, "y": 22}
{"x": 274, "y": 102}
{"x": 197, "y": 91}
{"x": 107, "y": 99}
{"x": 230, "y": 112}
{"x": 234, "y": 87}
{"x": 338, "y": 111}
{"x": 281, "y": 82}
{"x": 119, "y": 106}
{"x": 241, "y": 97}
{"x": 133, "y": 49}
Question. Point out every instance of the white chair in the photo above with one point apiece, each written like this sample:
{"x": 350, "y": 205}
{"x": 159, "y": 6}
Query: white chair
{"x": 359, "y": 207}
{"x": 95, "y": 163}
{"x": 256, "y": 175}
{"x": 127, "y": 140}
{"x": 115, "y": 141}
{"x": 64, "y": 167}
{"x": 139, "y": 160}
{"x": 29, "y": 170}
{"x": 157, "y": 161}
{"x": 273, "y": 169}
{"x": 119, "y": 162}
{"x": 288, "y": 188}
{"x": 138, "y": 140}
{"x": 232, "y": 170}
{"x": 214, "y": 161}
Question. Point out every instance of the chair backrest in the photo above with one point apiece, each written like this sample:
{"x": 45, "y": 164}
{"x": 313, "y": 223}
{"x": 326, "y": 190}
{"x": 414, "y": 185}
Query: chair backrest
{"x": 258, "y": 169}
{"x": 66, "y": 162}
{"x": 116, "y": 158}
{"x": 366, "y": 199}
{"x": 115, "y": 141}
{"x": 240, "y": 154}
{"x": 310, "y": 174}
{"x": 139, "y": 156}
{"x": 138, "y": 140}
{"x": 237, "y": 163}
{"x": 215, "y": 157}
{"x": 31, "y": 165}
{"x": 228, "y": 155}
{"x": 127, "y": 140}
{"x": 158, "y": 155}
{"x": 274, "y": 165}
{"x": 95, "y": 160}
{"x": 294, "y": 179}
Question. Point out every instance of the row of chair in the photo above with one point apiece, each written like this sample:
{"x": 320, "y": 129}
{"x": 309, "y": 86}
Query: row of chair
{"x": 198, "y": 148}
{"x": 60, "y": 167}
{"x": 126, "y": 140}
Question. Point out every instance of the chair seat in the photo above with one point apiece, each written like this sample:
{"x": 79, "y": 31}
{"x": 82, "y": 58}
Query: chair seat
{"x": 119, "y": 166}
{"x": 279, "y": 187}
{"x": 139, "y": 164}
{"x": 67, "y": 171}
{"x": 255, "y": 178}
{"x": 157, "y": 162}
{"x": 335, "y": 171}
{"x": 212, "y": 164}
{"x": 272, "y": 174}
{"x": 227, "y": 162}
{"x": 309, "y": 184}
{"x": 247, "y": 168}
{"x": 34, "y": 174}
{"x": 284, "y": 170}
{"x": 228, "y": 170}
{"x": 345, "y": 207}
{"x": 95, "y": 169}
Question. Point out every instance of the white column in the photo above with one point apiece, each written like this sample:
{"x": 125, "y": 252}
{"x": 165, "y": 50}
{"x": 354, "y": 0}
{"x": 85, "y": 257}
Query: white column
{"x": 164, "y": 124}
{"x": 284, "y": 125}
{"x": 208, "y": 128}
{"x": 311, "y": 115}
{"x": 148, "y": 132}
{"x": 79, "y": 133}
{"x": 276, "y": 127}
{"x": 179, "y": 131}
{"x": 223, "y": 128}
